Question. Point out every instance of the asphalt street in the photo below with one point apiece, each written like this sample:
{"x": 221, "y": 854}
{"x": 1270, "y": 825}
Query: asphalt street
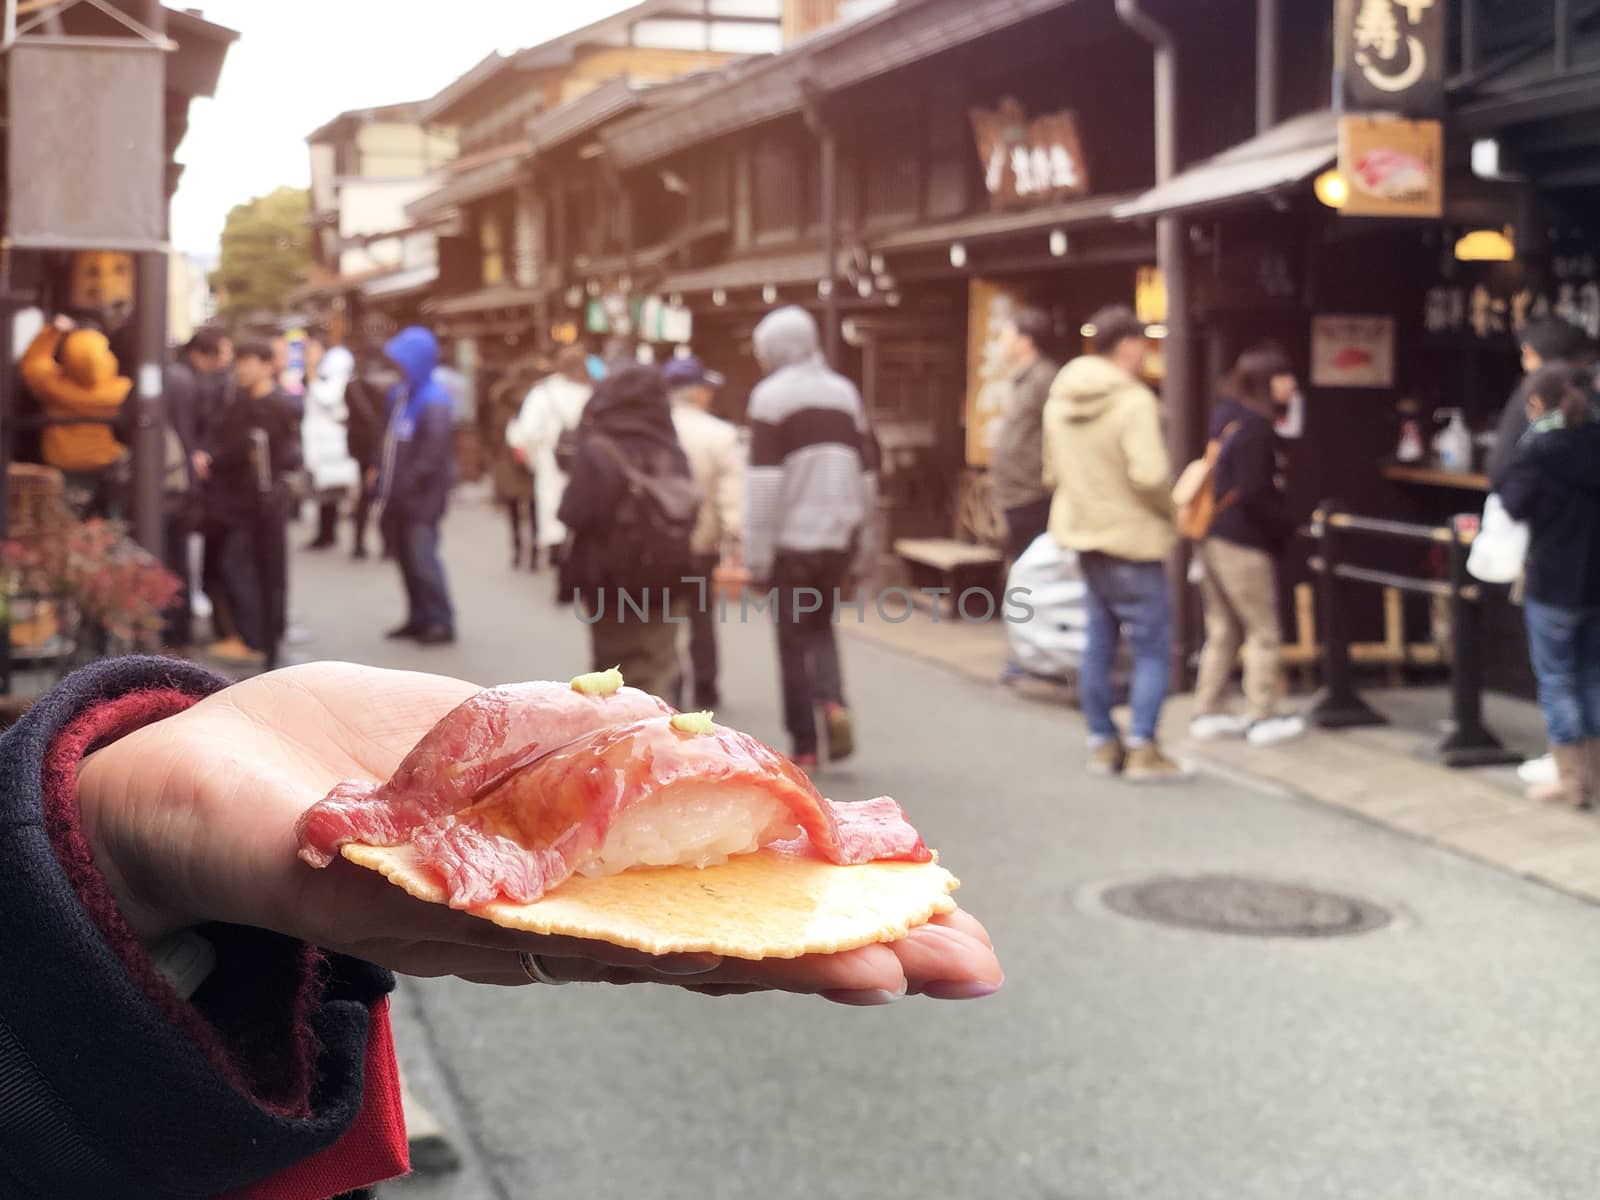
{"x": 1453, "y": 1053}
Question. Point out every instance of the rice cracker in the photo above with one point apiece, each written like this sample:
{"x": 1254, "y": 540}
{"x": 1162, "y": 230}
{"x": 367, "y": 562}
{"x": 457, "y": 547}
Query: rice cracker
{"x": 783, "y": 901}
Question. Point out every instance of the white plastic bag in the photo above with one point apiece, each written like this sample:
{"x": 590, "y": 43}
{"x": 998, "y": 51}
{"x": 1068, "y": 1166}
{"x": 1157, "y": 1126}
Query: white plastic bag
{"x": 1501, "y": 547}
{"x": 1050, "y": 642}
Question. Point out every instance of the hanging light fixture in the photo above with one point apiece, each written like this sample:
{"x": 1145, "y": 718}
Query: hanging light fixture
{"x": 719, "y": 297}
{"x": 574, "y": 296}
{"x": 824, "y": 288}
{"x": 1332, "y": 188}
{"x": 864, "y": 287}
{"x": 1487, "y": 245}
{"x": 1059, "y": 245}
{"x": 770, "y": 294}
{"x": 958, "y": 255}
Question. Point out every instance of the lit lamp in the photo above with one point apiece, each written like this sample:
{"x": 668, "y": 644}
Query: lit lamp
{"x": 1150, "y": 296}
{"x": 1487, "y": 245}
{"x": 769, "y": 294}
{"x": 1332, "y": 188}
{"x": 958, "y": 255}
{"x": 1059, "y": 245}
{"x": 719, "y": 297}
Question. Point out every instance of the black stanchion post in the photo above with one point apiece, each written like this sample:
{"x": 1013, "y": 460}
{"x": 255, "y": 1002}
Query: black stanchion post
{"x": 1338, "y": 705}
{"x": 1468, "y": 742}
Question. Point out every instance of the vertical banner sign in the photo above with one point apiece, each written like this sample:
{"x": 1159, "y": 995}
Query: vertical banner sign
{"x": 1395, "y": 168}
{"x": 1029, "y": 162}
{"x": 1390, "y": 56}
{"x": 990, "y": 308}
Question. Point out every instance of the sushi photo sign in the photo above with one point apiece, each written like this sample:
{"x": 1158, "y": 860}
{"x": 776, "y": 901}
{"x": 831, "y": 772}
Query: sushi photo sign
{"x": 1395, "y": 168}
{"x": 1352, "y": 352}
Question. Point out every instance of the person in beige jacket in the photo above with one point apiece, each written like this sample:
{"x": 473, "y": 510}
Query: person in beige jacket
{"x": 1106, "y": 457}
{"x": 716, "y": 460}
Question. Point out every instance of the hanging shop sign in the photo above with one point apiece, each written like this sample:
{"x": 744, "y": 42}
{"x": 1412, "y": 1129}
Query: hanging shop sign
{"x": 990, "y": 308}
{"x": 1395, "y": 168}
{"x": 1029, "y": 162}
{"x": 1391, "y": 56}
{"x": 1352, "y": 352}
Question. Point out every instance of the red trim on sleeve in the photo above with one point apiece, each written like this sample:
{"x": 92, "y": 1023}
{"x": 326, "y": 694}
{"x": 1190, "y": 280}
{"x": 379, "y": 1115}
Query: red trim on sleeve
{"x": 372, "y": 1150}
{"x": 261, "y": 1040}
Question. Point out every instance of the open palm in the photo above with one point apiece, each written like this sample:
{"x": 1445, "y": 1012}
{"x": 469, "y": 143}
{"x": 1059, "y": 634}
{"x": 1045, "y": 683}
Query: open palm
{"x": 192, "y": 819}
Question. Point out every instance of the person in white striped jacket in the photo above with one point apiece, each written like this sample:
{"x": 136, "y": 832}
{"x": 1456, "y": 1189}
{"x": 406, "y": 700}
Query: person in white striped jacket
{"x": 811, "y": 497}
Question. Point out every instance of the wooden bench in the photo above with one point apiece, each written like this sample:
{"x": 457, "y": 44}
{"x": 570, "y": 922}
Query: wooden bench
{"x": 959, "y": 566}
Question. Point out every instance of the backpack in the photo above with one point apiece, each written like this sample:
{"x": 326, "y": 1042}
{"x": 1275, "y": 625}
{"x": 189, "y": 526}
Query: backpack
{"x": 1195, "y": 493}
{"x": 655, "y": 519}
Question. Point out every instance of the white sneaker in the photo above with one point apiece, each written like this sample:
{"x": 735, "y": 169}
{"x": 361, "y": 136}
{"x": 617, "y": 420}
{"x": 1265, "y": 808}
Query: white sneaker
{"x": 1215, "y": 726}
{"x": 1537, "y": 771}
{"x": 1273, "y": 730}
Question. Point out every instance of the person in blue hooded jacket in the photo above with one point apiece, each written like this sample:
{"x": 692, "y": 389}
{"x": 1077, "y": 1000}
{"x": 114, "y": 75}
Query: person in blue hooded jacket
{"x": 414, "y": 486}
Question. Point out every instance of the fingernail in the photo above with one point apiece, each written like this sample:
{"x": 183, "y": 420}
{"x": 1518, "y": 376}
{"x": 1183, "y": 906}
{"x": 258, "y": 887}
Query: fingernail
{"x": 687, "y": 964}
{"x": 865, "y": 998}
{"x": 973, "y": 990}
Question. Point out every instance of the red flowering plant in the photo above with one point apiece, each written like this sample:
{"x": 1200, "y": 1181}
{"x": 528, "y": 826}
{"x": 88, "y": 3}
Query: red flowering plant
{"x": 91, "y": 575}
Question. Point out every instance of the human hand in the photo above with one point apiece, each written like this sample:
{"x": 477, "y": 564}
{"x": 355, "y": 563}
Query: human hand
{"x": 202, "y": 465}
{"x": 192, "y": 819}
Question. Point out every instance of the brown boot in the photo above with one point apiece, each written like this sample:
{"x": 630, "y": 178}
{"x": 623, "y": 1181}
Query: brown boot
{"x": 1572, "y": 769}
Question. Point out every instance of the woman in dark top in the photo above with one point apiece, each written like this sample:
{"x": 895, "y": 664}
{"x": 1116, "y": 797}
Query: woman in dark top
{"x": 1553, "y": 484}
{"x": 1240, "y": 586}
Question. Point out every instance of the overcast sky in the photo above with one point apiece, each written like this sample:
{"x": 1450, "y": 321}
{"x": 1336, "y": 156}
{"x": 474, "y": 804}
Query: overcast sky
{"x": 299, "y": 62}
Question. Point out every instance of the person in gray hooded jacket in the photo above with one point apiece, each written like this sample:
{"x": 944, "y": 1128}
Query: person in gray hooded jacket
{"x": 811, "y": 496}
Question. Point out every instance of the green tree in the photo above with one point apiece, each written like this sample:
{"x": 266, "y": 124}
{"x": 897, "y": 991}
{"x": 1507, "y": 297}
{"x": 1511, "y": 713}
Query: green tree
{"x": 266, "y": 248}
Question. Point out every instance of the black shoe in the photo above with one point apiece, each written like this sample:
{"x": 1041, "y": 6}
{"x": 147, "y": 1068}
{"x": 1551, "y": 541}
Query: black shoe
{"x": 436, "y": 635}
{"x": 533, "y": 560}
{"x": 319, "y": 544}
{"x": 359, "y": 554}
{"x": 707, "y": 698}
{"x": 407, "y": 630}
{"x": 516, "y": 558}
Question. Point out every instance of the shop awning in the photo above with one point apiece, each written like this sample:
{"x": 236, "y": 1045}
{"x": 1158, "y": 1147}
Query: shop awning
{"x": 471, "y": 179}
{"x": 1283, "y": 157}
{"x": 484, "y": 300}
{"x": 786, "y": 271}
{"x": 1071, "y": 214}
{"x": 398, "y": 284}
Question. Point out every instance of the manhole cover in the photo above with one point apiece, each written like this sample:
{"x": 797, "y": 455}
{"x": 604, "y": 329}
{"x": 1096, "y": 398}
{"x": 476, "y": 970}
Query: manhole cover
{"x": 1240, "y": 905}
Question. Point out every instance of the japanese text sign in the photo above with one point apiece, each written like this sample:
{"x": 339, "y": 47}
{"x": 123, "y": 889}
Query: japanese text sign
{"x": 1391, "y": 55}
{"x": 1029, "y": 162}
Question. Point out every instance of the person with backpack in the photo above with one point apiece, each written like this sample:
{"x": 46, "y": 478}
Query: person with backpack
{"x": 630, "y": 507}
{"x": 811, "y": 503}
{"x": 418, "y": 471}
{"x": 1106, "y": 457}
{"x": 1231, "y": 506}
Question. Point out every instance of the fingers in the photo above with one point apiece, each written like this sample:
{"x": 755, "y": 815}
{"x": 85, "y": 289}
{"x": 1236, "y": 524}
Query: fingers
{"x": 948, "y": 962}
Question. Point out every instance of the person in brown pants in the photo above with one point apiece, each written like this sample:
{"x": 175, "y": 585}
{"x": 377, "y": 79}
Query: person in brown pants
{"x": 1239, "y": 589}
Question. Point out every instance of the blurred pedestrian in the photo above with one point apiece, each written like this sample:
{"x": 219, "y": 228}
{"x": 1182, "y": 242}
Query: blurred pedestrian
{"x": 1249, "y": 529}
{"x": 509, "y": 476}
{"x": 187, "y": 398}
{"x": 1106, "y": 457}
{"x": 1553, "y": 483}
{"x": 1547, "y": 341}
{"x": 366, "y": 399}
{"x": 716, "y": 461}
{"x": 73, "y": 374}
{"x": 811, "y": 502}
{"x": 1016, "y": 468}
{"x": 417, "y": 474}
{"x": 252, "y": 451}
{"x": 325, "y": 435}
{"x": 631, "y": 506}
{"x": 553, "y": 407}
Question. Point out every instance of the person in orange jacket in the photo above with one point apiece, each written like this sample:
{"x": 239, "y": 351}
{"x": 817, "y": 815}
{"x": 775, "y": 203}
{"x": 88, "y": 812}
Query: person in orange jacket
{"x": 74, "y": 375}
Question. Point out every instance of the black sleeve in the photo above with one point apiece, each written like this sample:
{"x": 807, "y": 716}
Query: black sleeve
{"x": 593, "y": 488}
{"x": 101, "y": 1093}
{"x": 1521, "y": 486}
{"x": 1254, "y": 471}
{"x": 1508, "y": 435}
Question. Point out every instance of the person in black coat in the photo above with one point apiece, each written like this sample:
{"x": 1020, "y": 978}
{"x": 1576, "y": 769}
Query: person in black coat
{"x": 1239, "y": 555}
{"x": 188, "y": 391}
{"x": 1547, "y": 341}
{"x": 1553, "y": 484}
{"x": 626, "y": 601}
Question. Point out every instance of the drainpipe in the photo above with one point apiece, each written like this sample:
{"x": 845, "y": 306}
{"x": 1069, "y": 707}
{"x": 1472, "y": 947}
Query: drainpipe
{"x": 1184, "y": 424}
{"x": 1267, "y": 26}
{"x": 150, "y": 421}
